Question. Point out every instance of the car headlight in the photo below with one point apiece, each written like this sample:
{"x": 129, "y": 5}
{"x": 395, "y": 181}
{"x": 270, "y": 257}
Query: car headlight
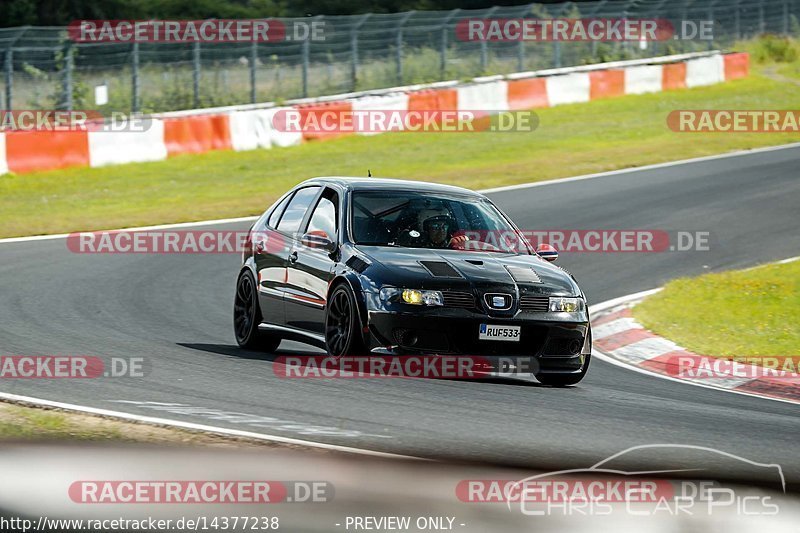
{"x": 412, "y": 296}
{"x": 566, "y": 305}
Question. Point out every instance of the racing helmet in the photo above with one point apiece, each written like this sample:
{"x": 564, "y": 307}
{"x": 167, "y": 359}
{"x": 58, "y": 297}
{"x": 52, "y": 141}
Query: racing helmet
{"x": 427, "y": 217}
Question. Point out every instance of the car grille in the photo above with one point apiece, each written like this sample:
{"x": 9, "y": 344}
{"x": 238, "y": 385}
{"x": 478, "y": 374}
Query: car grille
{"x": 536, "y": 304}
{"x": 458, "y": 299}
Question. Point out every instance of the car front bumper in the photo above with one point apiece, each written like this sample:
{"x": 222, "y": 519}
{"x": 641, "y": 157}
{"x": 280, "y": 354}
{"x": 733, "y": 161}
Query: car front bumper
{"x": 544, "y": 345}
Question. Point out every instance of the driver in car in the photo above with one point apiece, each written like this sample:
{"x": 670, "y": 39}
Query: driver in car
{"x": 435, "y": 225}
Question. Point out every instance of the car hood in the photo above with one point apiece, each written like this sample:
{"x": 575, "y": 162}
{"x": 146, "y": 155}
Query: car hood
{"x": 455, "y": 269}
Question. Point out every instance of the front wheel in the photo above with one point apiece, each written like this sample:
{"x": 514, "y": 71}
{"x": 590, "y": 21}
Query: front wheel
{"x": 247, "y": 317}
{"x": 342, "y": 325}
{"x": 564, "y": 380}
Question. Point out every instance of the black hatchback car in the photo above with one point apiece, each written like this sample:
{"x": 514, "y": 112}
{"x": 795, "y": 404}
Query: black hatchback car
{"x": 362, "y": 266}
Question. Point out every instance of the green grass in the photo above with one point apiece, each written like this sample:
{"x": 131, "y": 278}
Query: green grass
{"x": 23, "y": 423}
{"x": 742, "y": 313}
{"x": 779, "y": 55}
{"x": 573, "y": 139}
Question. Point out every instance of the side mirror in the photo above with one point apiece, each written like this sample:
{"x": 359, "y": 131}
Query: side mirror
{"x": 547, "y": 252}
{"x": 318, "y": 239}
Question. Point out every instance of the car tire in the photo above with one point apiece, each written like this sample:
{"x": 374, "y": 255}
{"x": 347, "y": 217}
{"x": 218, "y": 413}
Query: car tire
{"x": 342, "y": 323}
{"x": 564, "y": 380}
{"x": 247, "y": 316}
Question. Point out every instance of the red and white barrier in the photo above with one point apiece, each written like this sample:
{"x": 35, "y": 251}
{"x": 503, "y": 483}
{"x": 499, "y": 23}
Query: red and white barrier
{"x": 114, "y": 148}
{"x": 736, "y": 66}
{"x": 673, "y": 76}
{"x": 489, "y": 96}
{"x": 606, "y": 83}
{"x": 568, "y": 88}
{"x": 252, "y": 127}
{"x": 644, "y": 79}
{"x": 529, "y": 93}
{"x": 278, "y": 138}
{"x": 30, "y": 151}
{"x": 247, "y": 132}
{"x": 705, "y": 71}
{"x": 388, "y": 103}
{"x": 3, "y": 163}
{"x": 196, "y": 134}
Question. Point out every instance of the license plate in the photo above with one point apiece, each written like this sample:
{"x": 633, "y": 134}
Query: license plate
{"x": 489, "y": 332}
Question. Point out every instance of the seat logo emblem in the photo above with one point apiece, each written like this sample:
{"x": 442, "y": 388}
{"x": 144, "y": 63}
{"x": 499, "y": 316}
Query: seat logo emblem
{"x": 498, "y": 301}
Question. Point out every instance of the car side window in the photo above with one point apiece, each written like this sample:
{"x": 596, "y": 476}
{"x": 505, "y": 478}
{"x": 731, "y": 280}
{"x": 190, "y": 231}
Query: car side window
{"x": 275, "y": 216}
{"x": 296, "y": 210}
{"x": 324, "y": 218}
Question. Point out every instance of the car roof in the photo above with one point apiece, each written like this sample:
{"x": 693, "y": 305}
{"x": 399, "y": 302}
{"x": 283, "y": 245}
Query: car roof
{"x": 379, "y": 184}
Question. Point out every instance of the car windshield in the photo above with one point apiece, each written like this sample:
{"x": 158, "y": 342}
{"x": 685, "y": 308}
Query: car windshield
{"x": 423, "y": 220}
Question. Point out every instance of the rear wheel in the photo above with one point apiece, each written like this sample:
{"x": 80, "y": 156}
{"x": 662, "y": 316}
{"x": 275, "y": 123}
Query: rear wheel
{"x": 247, "y": 317}
{"x": 342, "y": 326}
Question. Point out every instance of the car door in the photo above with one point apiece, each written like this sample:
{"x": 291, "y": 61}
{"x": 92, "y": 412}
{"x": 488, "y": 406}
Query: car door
{"x": 311, "y": 267}
{"x": 272, "y": 244}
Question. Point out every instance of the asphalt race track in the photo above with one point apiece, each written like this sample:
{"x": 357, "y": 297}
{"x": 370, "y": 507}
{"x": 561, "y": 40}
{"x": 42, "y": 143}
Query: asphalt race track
{"x": 175, "y": 310}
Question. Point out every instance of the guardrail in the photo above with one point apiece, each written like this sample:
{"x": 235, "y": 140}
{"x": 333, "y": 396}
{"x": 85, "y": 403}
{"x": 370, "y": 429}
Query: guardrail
{"x": 252, "y": 127}
{"x": 44, "y": 69}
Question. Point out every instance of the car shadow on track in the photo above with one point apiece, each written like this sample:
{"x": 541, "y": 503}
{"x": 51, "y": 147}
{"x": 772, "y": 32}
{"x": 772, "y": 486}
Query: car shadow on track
{"x": 232, "y": 350}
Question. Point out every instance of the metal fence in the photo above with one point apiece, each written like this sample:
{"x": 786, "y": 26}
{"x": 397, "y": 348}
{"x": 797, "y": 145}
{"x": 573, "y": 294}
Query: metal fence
{"x": 43, "y": 68}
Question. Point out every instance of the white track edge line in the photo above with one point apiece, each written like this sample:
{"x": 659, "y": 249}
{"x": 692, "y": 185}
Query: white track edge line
{"x": 653, "y": 166}
{"x": 609, "y": 304}
{"x": 613, "y": 361}
{"x": 140, "y": 228}
{"x": 482, "y": 191}
{"x": 197, "y": 427}
{"x": 347, "y": 449}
